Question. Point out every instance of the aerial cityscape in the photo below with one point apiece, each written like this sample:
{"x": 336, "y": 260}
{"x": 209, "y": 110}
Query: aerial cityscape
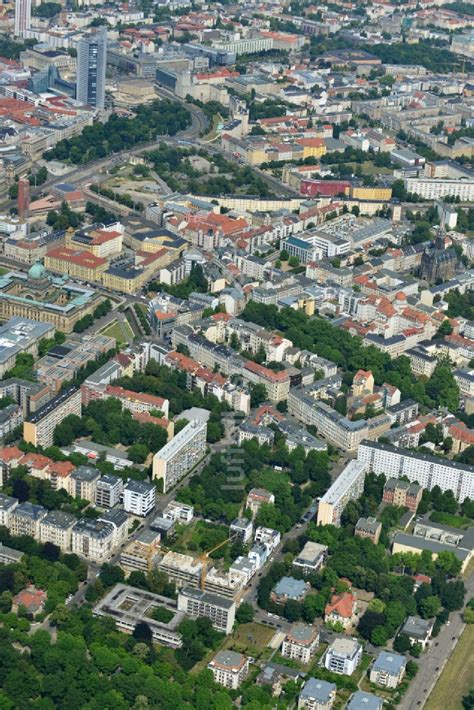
{"x": 237, "y": 355}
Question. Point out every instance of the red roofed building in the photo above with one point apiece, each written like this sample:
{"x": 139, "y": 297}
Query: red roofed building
{"x": 212, "y": 230}
{"x": 341, "y": 609}
{"x": 137, "y": 402}
{"x": 277, "y": 384}
{"x": 31, "y": 599}
{"x": 77, "y": 263}
{"x": 462, "y": 437}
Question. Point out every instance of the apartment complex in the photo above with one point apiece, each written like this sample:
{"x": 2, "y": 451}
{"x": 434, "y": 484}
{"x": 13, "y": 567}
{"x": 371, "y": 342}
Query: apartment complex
{"x": 428, "y": 471}
{"x": 388, "y": 669}
{"x": 25, "y": 519}
{"x": 229, "y": 668}
{"x": 317, "y": 695}
{"x": 343, "y": 656}
{"x": 300, "y": 643}
{"x": 93, "y": 539}
{"x": 180, "y": 455}
{"x": 348, "y": 486}
{"x": 196, "y": 602}
{"x": 139, "y": 497}
{"x": 39, "y": 427}
{"x": 56, "y": 527}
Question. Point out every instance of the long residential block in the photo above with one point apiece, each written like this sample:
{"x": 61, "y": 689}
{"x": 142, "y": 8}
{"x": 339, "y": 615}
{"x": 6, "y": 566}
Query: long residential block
{"x": 348, "y": 486}
{"x": 180, "y": 455}
{"x": 429, "y": 471}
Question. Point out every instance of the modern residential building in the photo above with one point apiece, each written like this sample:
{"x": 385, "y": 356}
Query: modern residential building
{"x": 300, "y": 643}
{"x": 139, "y": 497}
{"x": 428, "y": 471}
{"x": 84, "y": 483}
{"x": 289, "y": 588}
{"x": 39, "y": 428}
{"x": 93, "y": 540}
{"x": 91, "y": 62}
{"x": 229, "y": 668}
{"x": 196, "y": 602}
{"x": 343, "y": 656}
{"x": 369, "y": 528}
{"x": 180, "y": 455}
{"x": 108, "y": 490}
{"x": 241, "y": 528}
{"x": 418, "y": 630}
{"x": 348, "y": 486}
{"x": 142, "y": 553}
{"x": 25, "y": 519}
{"x": 317, "y": 695}
{"x": 311, "y": 558}
{"x": 388, "y": 669}
{"x": 364, "y": 701}
{"x": 56, "y": 527}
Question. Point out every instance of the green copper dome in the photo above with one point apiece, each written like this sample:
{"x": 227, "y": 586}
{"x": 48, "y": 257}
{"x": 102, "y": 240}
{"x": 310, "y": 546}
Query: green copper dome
{"x": 37, "y": 271}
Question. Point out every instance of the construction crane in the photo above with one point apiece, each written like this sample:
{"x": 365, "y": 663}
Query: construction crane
{"x": 205, "y": 557}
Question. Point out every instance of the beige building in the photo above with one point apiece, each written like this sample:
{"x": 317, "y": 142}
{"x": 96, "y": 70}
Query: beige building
{"x": 300, "y": 643}
{"x": 93, "y": 540}
{"x": 39, "y": 428}
{"x": 26, "y": 518}
{"x": 348, "y": 486}
{"x": 56, "y": 527}
{"x": 229, "y": 669}
{"x": 180, "y": 455}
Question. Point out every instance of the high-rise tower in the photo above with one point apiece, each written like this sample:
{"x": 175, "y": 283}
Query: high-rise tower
{"x": 91, "y": 61}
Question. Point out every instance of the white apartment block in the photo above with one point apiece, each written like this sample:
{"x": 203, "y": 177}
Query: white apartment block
{"x": 229, "y": 668}
{"x": 300, "y": 643}
{"x": 7, "y": 506}
{"x": 343, "y": 656}
{"x": 93, "y": 540}
{"x": 426, "y": 470}
{"x": 436, "y": 189}
{"x": 56, "y": 528}
{"x": 108, "y": 491}
{"x": 196, "y": 602}
{"x": 348, "y": 486}
{"x": 180, "y": 455}
{"x": 139, "y": 497}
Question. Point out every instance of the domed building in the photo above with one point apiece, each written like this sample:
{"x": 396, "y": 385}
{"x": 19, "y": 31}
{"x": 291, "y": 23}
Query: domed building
{"x": 41, "y": 296}
{"x": 38, "y": 278}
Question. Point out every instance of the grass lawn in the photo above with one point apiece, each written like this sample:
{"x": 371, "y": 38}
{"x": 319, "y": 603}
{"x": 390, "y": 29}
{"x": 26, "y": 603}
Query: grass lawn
{"x": 456, "y": 678}
{"x": 251, "y": 639}
{"x": 118, "y": 330}
{"x": 4, "y": 270}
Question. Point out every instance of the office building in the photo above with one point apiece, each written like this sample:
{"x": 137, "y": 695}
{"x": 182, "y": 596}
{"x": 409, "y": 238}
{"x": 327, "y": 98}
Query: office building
{"x": 108, "y": 490}
{"x": 84, "y": 483}
{"x": 343, "y": 656}
{"x": 229, "y": 668}
{"x": 300, "y": 643}
{"x": 7, "y": 506}
{"x": 128, "y": 606}
{"x": 39, "y": 428}
{"x": 221, "y": 611}
{"x": 93, "y": 540}
{"x": 20, "y": 335}
{"x": 56, "y": 527}
{"x": 311, "y": 558}
{"x": 25, "y": 519}
{"x": 91, "y": 61}
{"x": 348, "y": 486}
{"x": 139, "y": 497}
{"x": 181, "y": 454}
{"x": 388, "y": 669}
{"x": 426, "y": 470}
{"x": 22, "y": 17}
{"x": 317, "y": 695}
